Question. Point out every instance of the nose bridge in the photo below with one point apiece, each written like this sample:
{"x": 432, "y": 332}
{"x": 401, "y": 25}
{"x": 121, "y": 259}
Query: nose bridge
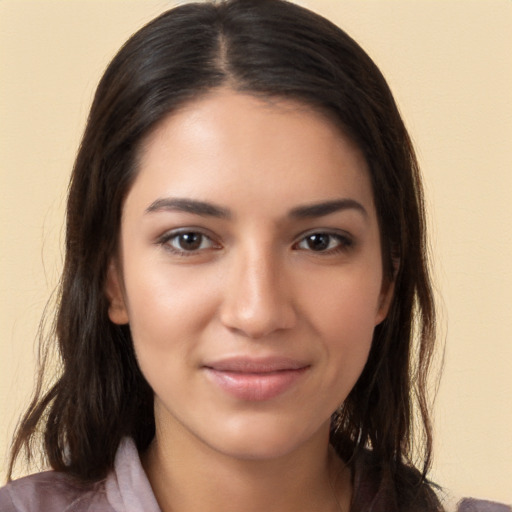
{"x": 257, "y": 296}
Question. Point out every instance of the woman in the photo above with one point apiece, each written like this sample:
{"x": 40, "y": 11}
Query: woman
{"x": 245, "y": 312}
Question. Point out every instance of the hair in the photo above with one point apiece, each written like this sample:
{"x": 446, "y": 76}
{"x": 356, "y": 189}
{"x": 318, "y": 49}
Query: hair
{"x": 268, "y": 48}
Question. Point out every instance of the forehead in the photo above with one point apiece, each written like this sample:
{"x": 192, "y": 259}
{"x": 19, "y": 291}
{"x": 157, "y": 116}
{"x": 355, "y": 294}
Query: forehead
{"x": 229, "y": 145}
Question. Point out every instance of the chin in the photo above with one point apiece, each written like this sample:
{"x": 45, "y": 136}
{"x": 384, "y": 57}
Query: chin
{"x": 264, "y": 440}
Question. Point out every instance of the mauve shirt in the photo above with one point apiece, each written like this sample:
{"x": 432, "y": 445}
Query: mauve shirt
{"x": 126, "y": 489}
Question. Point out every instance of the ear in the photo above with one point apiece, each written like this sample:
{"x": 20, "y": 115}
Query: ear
{"x": 385, "y": 298}
{"x": 386, "y": 293}
{"x": 117, "y": 311}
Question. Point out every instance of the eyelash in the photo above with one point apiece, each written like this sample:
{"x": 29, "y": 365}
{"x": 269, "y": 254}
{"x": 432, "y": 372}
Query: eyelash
{"x": 167, "y": 238}
{"x": 342, "y": 242}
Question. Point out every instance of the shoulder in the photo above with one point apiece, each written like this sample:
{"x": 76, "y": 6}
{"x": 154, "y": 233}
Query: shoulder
{"x": 51, "y": 491}
{"x": 473, "y": 505}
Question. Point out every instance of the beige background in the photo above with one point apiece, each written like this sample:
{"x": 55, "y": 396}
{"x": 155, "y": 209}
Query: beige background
{"x": 449, "y": 63}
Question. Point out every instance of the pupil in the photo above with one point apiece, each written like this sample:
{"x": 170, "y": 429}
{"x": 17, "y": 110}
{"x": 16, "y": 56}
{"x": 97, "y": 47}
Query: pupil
{"x": 190, "y": 241}
{"x": 318, "y": 242}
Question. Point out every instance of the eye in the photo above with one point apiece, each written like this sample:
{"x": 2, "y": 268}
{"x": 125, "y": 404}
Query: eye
{"x": 324, "y": 242}
{"x": 187, "y": 242}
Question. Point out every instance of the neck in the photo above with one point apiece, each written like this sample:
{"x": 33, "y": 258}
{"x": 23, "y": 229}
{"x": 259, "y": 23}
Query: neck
{"x": 187, "y": 476}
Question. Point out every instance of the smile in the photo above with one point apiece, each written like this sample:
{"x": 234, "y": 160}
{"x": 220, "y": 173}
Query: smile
{"x": 255, "y": 380}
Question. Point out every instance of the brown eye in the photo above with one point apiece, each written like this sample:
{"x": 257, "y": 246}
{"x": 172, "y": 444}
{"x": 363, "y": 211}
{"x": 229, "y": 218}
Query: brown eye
{"x": 186, "y": 242}
{"x": 324, "y": 242}
{"x": 189, "y": 241}
{"x": 319, "y": 242}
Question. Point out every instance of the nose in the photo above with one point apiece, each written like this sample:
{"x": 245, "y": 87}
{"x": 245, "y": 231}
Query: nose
{"x": 258, "y": 296}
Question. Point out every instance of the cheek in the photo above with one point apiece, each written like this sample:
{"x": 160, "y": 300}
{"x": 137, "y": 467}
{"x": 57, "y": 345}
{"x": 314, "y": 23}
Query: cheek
{"x": 167, "y": 310}
{"x": 346, "y": 304}
{"x": 161, "y": 297}
{"x": 346, "y": 315}
{"x": 162, "y": 323}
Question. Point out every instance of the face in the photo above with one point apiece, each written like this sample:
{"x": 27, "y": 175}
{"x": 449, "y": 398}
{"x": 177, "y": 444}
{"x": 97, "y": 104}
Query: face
{"x": 250, "y": 272}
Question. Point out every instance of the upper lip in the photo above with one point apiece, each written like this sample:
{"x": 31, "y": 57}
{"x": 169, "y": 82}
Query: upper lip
{"x": 256, "y": 365}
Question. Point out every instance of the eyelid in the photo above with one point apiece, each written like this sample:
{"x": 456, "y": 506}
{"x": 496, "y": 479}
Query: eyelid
{"x": 346, "y": 240}
{"x": 164, "y": 240}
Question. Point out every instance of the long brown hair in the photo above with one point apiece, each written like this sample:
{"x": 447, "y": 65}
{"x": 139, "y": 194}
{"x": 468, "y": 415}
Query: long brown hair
{"x": 263, "y": 47}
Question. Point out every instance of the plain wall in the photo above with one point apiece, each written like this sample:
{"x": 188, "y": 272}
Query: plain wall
{"x": 449, "y": 64}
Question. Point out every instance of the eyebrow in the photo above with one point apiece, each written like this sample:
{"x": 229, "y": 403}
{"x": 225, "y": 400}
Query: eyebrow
{"x": 326, "y": 208}
{"x": 206, "y": 209}
{"x": 190, "y": 206}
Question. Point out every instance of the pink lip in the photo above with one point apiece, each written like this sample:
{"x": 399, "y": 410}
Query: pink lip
{"x": 255, "y": 379}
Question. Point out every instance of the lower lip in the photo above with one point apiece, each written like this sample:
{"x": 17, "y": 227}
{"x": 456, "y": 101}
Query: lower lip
{"x": 255, "y": 387}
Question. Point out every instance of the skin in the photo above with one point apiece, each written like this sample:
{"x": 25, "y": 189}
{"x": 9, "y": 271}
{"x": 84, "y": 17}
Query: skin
{"x": 267, "y": 278}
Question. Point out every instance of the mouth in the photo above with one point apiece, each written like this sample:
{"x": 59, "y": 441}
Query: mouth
{"x": 255, "y": 379}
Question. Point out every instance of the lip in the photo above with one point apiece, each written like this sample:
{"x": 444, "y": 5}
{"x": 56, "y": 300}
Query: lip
{"x": 255, "y": 379}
